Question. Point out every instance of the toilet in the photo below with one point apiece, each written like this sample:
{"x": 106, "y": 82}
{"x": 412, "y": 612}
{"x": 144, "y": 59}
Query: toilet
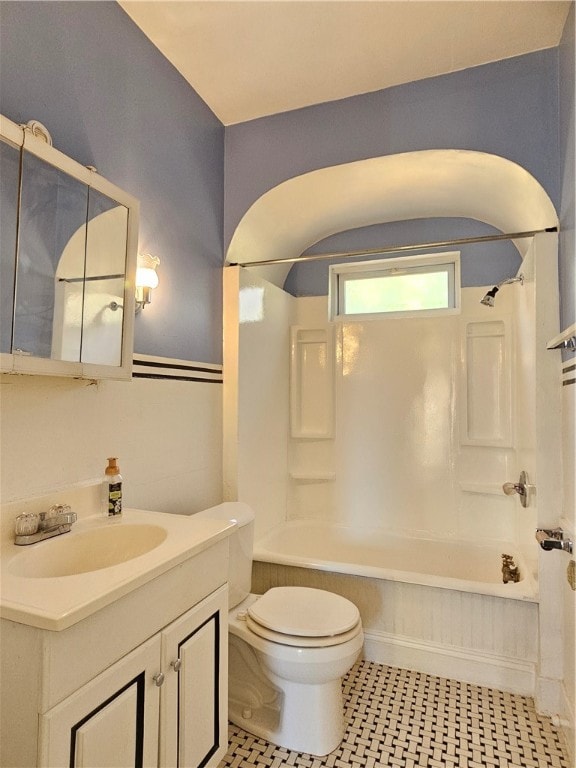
{"x": 287, "y": 651}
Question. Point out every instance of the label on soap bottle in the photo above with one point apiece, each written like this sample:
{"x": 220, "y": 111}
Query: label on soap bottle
{"x": 114, "y": 499}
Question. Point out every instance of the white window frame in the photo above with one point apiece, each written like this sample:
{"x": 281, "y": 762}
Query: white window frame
{"x": 340, "y": 273}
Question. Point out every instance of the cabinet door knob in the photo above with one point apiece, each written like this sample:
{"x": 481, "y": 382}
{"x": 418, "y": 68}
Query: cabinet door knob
{"x": 176, "y": 665}
{"x": 159, "y": 679}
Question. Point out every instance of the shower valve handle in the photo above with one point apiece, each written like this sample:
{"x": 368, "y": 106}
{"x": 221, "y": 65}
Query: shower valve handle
{"x": 521, "y": 488}
{"x": 511, "y": 488}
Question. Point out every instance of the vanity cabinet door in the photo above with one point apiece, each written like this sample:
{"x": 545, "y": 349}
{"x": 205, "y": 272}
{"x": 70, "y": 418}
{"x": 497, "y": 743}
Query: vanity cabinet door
{"x": 111, "y": 722}
{"x": 193, "y": 726}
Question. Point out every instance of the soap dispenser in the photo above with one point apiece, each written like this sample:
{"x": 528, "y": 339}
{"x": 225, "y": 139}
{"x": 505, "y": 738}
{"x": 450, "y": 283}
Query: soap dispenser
{"x": 112, "y": 490}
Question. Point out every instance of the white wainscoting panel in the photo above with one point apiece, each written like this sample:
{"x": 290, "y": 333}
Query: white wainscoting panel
{"x": 165, "y": 431}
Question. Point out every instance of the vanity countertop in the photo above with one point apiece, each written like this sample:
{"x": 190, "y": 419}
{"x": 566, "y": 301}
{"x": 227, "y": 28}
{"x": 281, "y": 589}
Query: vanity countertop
{"x": 56, "y": 602}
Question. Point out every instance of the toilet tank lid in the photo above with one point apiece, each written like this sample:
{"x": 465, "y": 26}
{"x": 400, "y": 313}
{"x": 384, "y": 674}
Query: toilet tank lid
{"x": 236, "y": 511}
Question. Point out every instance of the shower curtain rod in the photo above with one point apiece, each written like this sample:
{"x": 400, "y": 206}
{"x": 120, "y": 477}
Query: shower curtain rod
{"x": 394, "y": 248}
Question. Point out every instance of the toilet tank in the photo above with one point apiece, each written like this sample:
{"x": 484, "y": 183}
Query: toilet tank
{"x": 241, "y": 546}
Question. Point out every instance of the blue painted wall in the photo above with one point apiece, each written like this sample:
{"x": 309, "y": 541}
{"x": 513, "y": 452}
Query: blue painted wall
{"x": 508, "y": 108}
{"x": 111, "y": 100}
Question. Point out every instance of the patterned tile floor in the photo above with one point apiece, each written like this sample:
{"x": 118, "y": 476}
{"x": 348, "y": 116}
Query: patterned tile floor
{"x": 402, "y": 719}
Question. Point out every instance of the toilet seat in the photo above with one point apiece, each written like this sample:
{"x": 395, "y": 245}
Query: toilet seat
{"x": 299, "y": 641}
{"x": 302, "y": 616}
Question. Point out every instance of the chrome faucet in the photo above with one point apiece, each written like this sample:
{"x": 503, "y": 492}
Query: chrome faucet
{"x": 32, "y": 526}
{"x": 553, "y": 538}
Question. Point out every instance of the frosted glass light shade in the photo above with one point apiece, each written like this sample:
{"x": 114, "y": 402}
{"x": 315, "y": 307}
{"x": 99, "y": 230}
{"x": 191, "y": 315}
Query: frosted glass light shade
{"x": 146, "y": 277}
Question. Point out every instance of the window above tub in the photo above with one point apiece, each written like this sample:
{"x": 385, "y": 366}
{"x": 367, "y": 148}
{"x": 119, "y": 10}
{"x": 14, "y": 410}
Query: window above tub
{"x": 407, "y": 286}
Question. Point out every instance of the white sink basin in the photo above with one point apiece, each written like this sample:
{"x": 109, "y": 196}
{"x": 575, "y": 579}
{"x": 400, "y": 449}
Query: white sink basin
{"x": 74, "y": 553}
{"x": 56, "y": 583}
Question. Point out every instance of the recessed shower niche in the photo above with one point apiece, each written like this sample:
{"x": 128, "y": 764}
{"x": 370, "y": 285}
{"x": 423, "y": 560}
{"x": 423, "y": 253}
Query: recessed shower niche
{"x": 487, "y": 383}
{"x": 311, "y": 444}
{"x": 311, "y": 382}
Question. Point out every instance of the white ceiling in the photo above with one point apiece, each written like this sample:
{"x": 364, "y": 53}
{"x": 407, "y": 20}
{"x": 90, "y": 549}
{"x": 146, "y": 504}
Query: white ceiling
{"x": 251, "y": 58}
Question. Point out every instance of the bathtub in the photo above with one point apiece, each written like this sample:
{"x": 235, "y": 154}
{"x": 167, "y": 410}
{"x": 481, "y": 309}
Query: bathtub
{"x": 436, "y": 607}
{"x": 462, "y": 566}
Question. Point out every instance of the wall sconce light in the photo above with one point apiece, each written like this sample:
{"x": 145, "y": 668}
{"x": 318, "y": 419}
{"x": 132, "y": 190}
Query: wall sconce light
{"x": 146, "y": 279}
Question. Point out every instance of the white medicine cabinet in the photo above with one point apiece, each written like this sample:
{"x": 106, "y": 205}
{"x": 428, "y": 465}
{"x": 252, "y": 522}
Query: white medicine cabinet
{"x": 68, "y": 243}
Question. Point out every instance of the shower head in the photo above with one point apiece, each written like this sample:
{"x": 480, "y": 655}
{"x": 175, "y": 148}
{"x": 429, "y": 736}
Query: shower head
{"x": 488, "y": 300}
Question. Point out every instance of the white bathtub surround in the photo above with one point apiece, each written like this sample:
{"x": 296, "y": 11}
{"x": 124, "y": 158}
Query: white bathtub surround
{"x": 407, "y": 455}
{"x": 57, "y": 433}
{"x": 431, "y": 417}
{"x": 544, "y": 451}
{"x": 257, "y": 319}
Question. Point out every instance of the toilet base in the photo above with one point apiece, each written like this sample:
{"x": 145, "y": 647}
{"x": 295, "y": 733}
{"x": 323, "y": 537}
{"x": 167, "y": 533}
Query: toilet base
{"x": 289, "y": 695}
{"x": 300, "y": 717}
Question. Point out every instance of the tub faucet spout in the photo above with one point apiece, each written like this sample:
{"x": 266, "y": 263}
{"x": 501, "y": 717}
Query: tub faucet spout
{"x": 510, "y": 570}
{"x": 553, "y": 538}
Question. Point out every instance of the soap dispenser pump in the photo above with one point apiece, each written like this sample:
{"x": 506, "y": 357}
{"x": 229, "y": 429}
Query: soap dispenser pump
{"x": 112, "y": 490}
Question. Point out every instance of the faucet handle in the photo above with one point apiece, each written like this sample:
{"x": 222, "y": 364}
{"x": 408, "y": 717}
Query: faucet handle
{"x": 26, "y": 524}
{"x": 522, "y": 488}
{"x": 58, "y": 514}
{"x": 57, "y": 509}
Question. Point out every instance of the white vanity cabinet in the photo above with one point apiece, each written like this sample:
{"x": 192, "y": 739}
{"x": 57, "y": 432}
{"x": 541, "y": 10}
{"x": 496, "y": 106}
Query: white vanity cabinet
{"x": 142, "y": 681}
{"x": 163, "y": 704}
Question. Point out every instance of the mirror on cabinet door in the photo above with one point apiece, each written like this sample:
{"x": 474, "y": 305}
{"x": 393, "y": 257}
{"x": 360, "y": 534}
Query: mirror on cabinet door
{"x": 52, "y": 209}
{"x": 68, "y": 264}
{"x": 9, "y": 183}
{"x": 89, "y": 286}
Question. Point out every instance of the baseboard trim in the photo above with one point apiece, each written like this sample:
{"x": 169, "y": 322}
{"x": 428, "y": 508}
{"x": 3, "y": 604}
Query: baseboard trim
{"x": 466, "y": 666}
{"x": 549, "y": 696}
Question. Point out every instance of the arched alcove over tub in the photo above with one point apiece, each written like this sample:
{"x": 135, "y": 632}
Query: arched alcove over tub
{"x": 289, "y": 218}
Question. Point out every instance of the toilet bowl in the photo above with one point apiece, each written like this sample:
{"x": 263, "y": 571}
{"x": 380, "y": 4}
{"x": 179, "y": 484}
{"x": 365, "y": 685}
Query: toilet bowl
{"x": 288, "y": 652}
